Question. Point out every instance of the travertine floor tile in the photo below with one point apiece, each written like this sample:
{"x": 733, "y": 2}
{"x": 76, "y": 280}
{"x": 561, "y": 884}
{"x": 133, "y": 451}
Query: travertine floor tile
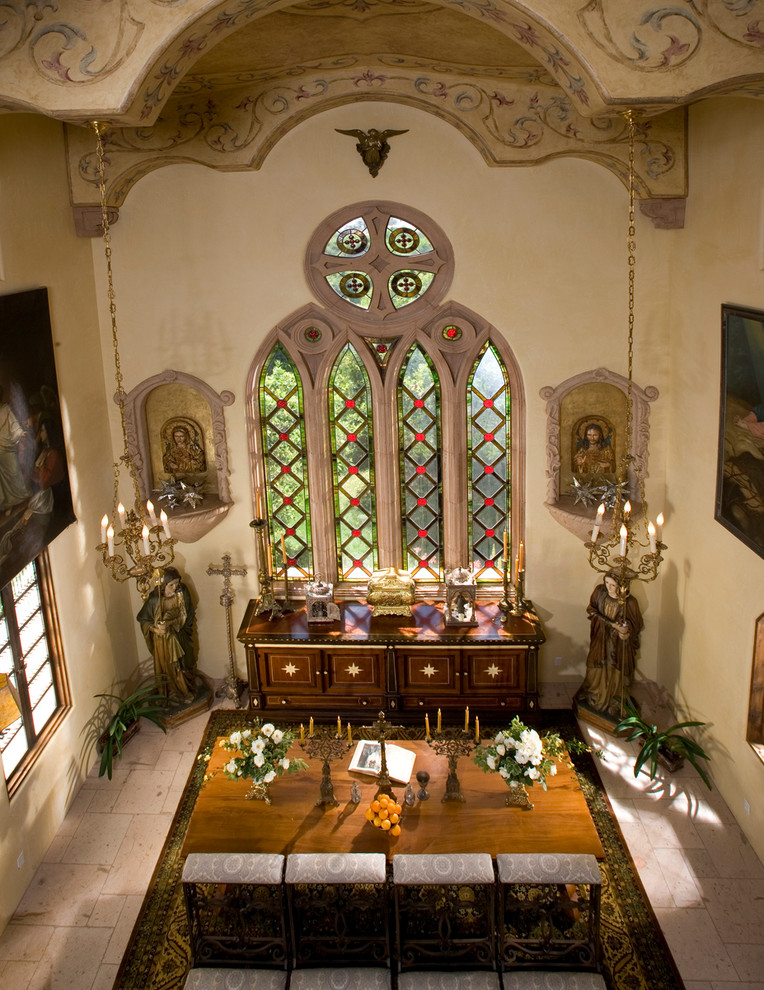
{"x": 24, "y": 943}
{"x": 97, "y": 839}
{"x": 134, "y": 864}
{"x": 123, "y": 930}
{"x": 679, "y": 878}
{"x": 72, "y": 959}
{"x": 688, "y": 929}
{"x": 144, "y": 792}
{"x": 736, "y": 908}
{"x": 61, "y": 894}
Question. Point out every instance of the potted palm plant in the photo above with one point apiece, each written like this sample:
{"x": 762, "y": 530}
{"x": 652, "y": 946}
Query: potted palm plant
{"x": 668, "y": 747}
{"x": 144, "y": 702}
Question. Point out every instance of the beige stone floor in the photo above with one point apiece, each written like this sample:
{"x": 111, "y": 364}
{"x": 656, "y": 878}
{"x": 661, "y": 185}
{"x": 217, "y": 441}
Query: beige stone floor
{"x": 71, "y": 928}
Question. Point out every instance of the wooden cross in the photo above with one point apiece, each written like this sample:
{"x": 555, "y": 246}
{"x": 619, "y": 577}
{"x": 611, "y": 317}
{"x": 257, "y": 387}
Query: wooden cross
{"x": 233, "y": 686}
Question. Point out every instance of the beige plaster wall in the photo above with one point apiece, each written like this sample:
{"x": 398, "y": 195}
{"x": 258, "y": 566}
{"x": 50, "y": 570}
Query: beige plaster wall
{"x": 711, "y": 592}
{"x": 206, "y": 263}
{"x": 39, "y": 248}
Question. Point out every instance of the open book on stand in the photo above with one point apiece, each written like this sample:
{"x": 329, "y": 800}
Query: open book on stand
{"x": 368, "y": 759}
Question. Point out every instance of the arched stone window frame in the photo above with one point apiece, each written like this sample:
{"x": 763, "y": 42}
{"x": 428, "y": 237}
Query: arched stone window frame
{"x": 422, "y": 322}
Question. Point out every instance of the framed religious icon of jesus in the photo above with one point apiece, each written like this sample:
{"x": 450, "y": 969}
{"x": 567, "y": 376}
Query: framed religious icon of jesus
{"x": 740, "y": 473}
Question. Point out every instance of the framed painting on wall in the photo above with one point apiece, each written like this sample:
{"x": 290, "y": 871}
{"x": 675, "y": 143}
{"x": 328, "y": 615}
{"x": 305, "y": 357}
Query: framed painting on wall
{"x": 35, "y": 497}
{"x": 740, "y": 473}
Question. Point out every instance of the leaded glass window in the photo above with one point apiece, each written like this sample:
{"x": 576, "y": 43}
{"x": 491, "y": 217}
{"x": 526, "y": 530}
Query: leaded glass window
{"x": 26, "y": 656}
{"x": 488, "y": 405}
{"x": 396, "y": 404}
{"x": 286, "y": 467}
{"x": 421, "y": 492}
{"x": 353, "y": 466}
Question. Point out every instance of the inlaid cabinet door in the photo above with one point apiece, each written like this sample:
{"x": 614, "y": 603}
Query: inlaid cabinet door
{"x": 352, "y": 670}
{"x": 289, "y": 669}
{"x": 494, "y": 670}
{"x": 428, "y": 669}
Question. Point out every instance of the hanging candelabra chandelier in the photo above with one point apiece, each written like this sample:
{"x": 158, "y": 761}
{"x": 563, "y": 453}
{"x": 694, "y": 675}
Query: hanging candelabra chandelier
{"x": 135, "y": 544}
{"x": 632, "y": 550}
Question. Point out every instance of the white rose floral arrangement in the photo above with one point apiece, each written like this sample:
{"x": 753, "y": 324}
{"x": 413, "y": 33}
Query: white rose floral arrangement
{"x": 520, "y": 755}
{"x": 261, "y": 753}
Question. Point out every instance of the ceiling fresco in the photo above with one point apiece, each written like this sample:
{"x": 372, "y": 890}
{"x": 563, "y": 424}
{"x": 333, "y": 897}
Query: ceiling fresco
{"x": 219, "y": 82}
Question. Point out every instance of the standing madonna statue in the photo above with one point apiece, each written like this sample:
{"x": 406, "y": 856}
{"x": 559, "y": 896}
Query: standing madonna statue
{"x": 167, "y": 622}
{"x": 616, "y": 622}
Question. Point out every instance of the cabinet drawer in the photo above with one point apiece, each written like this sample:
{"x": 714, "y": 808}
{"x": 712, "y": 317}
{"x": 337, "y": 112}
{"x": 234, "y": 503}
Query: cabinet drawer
{"x": 494, "y": 670}
{"x": 286, "y": 669}
{"x": 431, "y": 670}
{"x": 354, "y": 671}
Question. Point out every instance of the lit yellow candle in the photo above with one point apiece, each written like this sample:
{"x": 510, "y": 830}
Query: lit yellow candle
{"x": 269, "y": 560}
{"x": 477, "y": 729}
{"x": 439, "y": 720}
{"x": 259, "y": 504}
{"x": 302, "y": 733}
{"x": 339, "y": 727}
{"x": 283, "y": 554}
{"x": 466, "y": 718}
{"x": 311, "y": 725}
{"x": 350, "y": 734}
{"x": 521, "y": 558}
{"x": 427, "y": 727}
{"x": 517, "y": 568}
{"x": 505, "y": 549}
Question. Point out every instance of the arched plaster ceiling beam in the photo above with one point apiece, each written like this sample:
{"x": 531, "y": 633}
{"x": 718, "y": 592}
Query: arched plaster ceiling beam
{"x": 121, "y": 61}
{"x": 513, "y": 117}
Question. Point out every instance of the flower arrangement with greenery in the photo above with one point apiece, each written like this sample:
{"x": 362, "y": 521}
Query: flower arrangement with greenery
{"x": 261, "y": 753}
{"x": 520, "y": 755}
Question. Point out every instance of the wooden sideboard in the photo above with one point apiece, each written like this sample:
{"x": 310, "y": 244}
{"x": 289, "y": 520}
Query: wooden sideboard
{"x": 408, "y": 665}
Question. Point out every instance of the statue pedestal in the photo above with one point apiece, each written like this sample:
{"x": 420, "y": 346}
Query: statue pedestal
{"x": 178, "y": 712}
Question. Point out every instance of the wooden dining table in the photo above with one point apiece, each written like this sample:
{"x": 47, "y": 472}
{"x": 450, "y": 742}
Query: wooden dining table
{"x": 223, "y": 820}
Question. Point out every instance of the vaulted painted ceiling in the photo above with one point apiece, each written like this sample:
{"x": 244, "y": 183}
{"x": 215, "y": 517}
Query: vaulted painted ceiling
{"x": 219, "y": 82}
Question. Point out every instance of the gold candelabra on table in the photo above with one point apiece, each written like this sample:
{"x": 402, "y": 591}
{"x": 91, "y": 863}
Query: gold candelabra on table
{"x": 326, "y": 746}
{"x": 452, "y": 743}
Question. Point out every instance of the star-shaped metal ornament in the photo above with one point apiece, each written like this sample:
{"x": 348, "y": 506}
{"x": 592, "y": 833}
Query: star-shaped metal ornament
{"x": 584, "y": 492}
{"x": 178, "y": 493}
{"x": 608, "y": 493}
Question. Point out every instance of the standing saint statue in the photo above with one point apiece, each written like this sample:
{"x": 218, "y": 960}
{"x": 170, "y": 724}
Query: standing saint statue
{"x": 167, "y": 622}
{"x": 616, "y": 622}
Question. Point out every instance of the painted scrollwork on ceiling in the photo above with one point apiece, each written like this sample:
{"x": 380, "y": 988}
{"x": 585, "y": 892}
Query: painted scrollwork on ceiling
{"x": 513, "y": 118}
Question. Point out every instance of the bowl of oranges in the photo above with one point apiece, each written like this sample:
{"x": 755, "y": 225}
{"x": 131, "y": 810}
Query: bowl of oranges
{"x": 385, "y": 813}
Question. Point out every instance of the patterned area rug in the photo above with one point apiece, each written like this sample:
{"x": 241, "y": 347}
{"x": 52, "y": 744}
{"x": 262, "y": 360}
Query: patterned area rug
{"x": 635, "y": 953}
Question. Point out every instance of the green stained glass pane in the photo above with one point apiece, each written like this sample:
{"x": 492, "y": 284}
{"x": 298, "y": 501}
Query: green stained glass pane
{"x": 286, "y": 468}
{"x": 350, "y": 241}
{"x": 406, "y": 286}
{"x": 403, "y": 238}
{"x": 354, "y": 287}
{"x": 352, "y": 466}
{"x": 488, "y": 433}
{"x": 421, "y": 491}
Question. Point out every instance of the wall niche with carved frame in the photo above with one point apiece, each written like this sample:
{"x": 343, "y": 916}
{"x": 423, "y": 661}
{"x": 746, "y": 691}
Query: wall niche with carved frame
{"x": 586, "y": 443}
{"x": 176, "y": 436}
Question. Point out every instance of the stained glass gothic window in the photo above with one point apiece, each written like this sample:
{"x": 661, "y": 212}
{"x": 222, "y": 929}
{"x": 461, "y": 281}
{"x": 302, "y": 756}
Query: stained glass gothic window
{"x": 394, "y": 404}
{"x": 488, "y": 408}
{"x": 353, "y": 465}
{"x": 421, "y": 490}
{"x": 286, "y": 469}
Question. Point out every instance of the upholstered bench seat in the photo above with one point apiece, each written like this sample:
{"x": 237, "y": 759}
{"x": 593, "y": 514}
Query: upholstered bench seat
{"x": 348, "y": 868}
{"x": 338, "y": 978}
{"x": 557, "y": 980}
{"x": 547, "y": 868}
{"x": 235, "y": 979}
{"x": 262, "y": 868}
{"x": 449, "y": 981}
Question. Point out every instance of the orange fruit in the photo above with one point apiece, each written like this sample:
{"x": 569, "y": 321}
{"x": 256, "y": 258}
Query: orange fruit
{"x": 394, "y": 818}
{"x": 386, "y": 824}
{"x": 395, "y": 830}
{"x": 398, "y": 809}
{"x": 375, "y": 805}
{"x": 384, "y": 813}
{"x": 377, "y": 822}
{"x": 369, "y": 814}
